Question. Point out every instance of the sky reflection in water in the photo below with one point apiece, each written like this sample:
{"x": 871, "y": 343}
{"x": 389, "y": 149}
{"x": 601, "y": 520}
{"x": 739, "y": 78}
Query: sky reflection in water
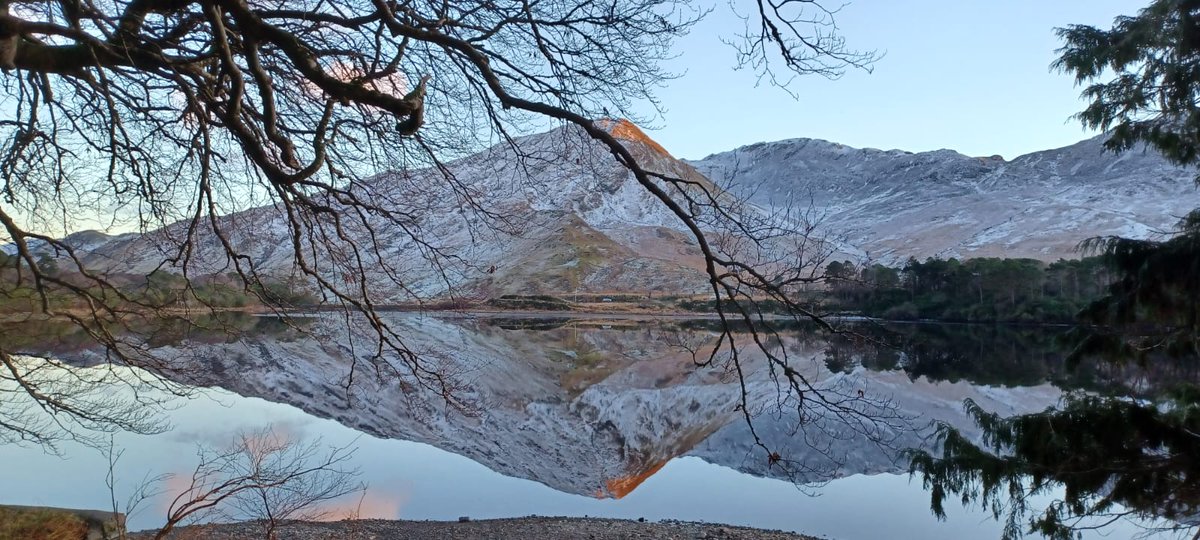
{"x": 413, "y": 480}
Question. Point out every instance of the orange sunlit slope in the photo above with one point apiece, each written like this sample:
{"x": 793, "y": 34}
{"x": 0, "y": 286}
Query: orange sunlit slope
{"x": 624, "y": 129}
{"x": 624, "y": 485}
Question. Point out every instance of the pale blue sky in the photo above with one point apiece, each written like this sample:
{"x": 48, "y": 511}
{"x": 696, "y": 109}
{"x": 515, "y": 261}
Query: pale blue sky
{"x": 969, "y": 75}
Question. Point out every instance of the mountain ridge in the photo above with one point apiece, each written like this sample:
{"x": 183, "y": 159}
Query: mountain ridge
{"x": 575, "y": 220}
{"x": 1096, "y": 139}
{"x": 892, "y": 204}
{"x": 548, "y": 189}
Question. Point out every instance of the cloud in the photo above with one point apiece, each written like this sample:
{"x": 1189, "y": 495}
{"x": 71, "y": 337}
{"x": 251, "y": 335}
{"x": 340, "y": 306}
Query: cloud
{"x": 366, "y": 504}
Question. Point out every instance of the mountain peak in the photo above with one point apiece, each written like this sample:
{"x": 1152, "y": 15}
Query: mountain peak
{"x": 622, "y": 128}
{"x": 891, "y": 204}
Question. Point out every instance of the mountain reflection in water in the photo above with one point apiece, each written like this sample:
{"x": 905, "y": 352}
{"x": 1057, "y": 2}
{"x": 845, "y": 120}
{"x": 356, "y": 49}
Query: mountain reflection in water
{"x": 598, "y": 407}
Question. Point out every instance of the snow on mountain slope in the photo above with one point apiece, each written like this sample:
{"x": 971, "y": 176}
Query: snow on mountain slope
{"x": 890, "y": 205}
{"x": 569, "y": 216}
{"x": 88, "y": 241}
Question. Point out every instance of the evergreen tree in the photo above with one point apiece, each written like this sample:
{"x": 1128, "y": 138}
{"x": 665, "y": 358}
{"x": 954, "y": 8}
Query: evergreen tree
{"x": 1153, "y": 94}
{"x": 1110, "y": 455}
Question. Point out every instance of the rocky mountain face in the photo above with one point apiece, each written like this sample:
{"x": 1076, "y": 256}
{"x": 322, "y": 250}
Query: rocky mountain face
{"x": 890, "y": 205}
{"x": 552, "y": 213}
{"x": 571, "y": 219}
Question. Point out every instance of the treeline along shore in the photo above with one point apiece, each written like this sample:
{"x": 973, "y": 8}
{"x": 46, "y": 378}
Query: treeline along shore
{"x": 950, "y": 290}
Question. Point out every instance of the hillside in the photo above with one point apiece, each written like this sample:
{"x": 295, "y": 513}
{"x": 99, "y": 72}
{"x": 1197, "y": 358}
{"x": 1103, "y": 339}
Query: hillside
{"x": 567, "y": 217}
{"x": 890, "y": 205}
{"x": 555, "y": 213}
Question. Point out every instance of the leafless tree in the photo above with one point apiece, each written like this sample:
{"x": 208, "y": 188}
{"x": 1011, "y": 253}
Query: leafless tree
{"x": 144, "y": 491}
{"x": 189, "y": 118}
{"x": 264, "y": 476}
{"x": 43, "y": 401}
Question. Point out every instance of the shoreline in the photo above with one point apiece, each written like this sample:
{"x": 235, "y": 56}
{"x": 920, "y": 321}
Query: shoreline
{"x": 491, "y": 529}
{"x": 481, "y": 312}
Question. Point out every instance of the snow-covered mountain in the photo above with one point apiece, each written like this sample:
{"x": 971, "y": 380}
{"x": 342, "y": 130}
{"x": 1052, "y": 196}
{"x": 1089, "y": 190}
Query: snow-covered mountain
{"x": 552, "y": 212}
{"x": 890, "y": 205}
{"x": 566, "y": 217}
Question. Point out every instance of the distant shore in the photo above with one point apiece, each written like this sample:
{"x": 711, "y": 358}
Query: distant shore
{"x": 480, "y": 311}
{"x": 483, "y": 312}
{"x": 491, "y": 529}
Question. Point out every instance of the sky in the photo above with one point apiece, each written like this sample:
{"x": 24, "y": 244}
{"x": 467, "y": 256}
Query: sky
{"x": 968, "y": 75}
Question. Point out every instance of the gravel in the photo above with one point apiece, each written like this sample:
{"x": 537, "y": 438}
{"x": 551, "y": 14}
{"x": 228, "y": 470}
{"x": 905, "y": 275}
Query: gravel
{"x": 491, "y": 529}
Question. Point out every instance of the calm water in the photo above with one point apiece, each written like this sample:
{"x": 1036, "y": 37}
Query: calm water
{"x": 599, "y": 417}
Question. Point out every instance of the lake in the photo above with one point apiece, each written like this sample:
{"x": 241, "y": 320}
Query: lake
{"x": 594, "y": 416}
